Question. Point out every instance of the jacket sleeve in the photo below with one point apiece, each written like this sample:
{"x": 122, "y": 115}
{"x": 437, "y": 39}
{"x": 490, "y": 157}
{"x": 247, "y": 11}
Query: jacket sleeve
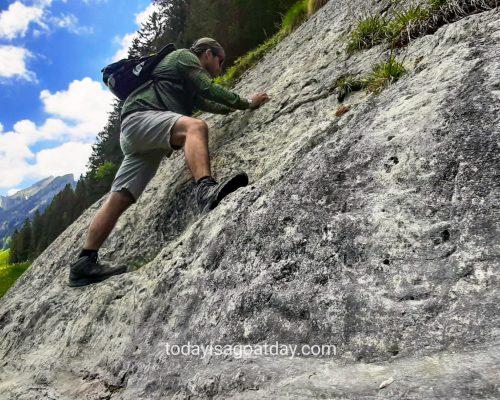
{"x": 212, "y": 107}
{"x": 191, "y": 69}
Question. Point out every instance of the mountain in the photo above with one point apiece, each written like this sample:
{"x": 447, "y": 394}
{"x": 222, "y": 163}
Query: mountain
{"x": 21, "y": 205}
{"x": 375, "y": 230}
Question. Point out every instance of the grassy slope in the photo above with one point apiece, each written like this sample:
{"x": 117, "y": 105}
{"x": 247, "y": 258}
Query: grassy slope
{"x": 9, "y": 273}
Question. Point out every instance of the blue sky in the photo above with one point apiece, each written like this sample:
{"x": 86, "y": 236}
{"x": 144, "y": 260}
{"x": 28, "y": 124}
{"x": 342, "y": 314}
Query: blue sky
{"x": 52, "y": 101}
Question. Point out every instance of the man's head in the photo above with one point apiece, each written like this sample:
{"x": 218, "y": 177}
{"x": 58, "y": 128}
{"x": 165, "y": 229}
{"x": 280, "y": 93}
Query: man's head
{"x": 211, "y": 55}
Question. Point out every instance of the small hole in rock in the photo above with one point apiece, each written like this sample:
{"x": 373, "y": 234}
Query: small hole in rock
{"x": 445, "y": 235}
{"x": 386, "y": 262}
{"x": 390, "y": 138}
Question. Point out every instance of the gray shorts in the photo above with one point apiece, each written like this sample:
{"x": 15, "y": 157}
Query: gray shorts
{"x": 145, "y": 140}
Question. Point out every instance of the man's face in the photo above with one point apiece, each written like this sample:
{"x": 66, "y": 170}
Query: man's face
{"x": 214, "y": 61}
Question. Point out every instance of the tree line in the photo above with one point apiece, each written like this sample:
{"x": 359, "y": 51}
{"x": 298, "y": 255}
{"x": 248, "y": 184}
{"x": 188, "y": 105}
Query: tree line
{"x": 239, "y": 25}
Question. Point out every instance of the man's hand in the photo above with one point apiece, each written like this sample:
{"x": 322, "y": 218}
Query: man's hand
{"x": 258, "y": 99}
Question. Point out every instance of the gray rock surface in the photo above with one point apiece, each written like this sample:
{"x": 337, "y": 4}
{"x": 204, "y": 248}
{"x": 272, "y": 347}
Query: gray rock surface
{"x": 376, "y": 232}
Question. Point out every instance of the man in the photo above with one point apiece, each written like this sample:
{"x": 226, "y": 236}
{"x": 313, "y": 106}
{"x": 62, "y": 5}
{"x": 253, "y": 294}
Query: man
{"x": 155, "y": 122}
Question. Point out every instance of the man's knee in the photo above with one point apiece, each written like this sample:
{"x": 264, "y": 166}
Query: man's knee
{"x": 120, "y": 200}
{"x": 197, "y": 127}
{"x": 187, "y": 127}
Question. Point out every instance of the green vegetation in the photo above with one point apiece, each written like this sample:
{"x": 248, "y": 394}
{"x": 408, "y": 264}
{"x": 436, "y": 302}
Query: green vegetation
{"x": 240, "y": 27}
{"x": 4, "y": 258}
{"x": 347, "y": 84}
{"x": 315, "y": 5}
{"x": 295, "y": 16}
{"x": 249, "y": 60}
{"x": 139, "y": 263}
{"x": 369, "y": 32}
{"x": 406, "y": 23}
{"x": 384, "y": 74}
{"x": 409, "y": 23}
{"x": 435, "y": 5}
{"x": 9, "y": 274}
{"x": 106, "y": 171}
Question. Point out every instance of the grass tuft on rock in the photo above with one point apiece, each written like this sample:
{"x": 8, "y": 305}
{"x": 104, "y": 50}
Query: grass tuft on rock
{"x": 369, "y": 32}
{"x": 384, "y": 74}
{"x": 413, "y": 22}
{"x": 435, "y": 5}
{"x": 347, "y": 84}
{"x": 408, "y": 24}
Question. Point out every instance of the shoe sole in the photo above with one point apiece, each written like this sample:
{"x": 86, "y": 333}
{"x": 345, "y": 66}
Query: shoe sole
{"x": 89, "y": 281}
{"x": 228, "y": 187}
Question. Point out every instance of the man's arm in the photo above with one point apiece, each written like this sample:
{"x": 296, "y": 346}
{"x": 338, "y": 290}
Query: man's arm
{"x": 191, "y": 70}
{"x": 212, "y": 107}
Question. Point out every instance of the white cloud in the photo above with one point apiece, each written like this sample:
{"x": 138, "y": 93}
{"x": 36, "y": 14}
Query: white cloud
{"x": 69, "y": 22}
{"x": 1, "y": 128}
{"x": 14, "y": 154}
{"x": 70, "y": 157}
{"x": 15, "y": 20}
{"x": 125, "y": 43}
{"x": 143, "y": 16}
{"x": 76, "y": 115}
{"x": 126, "y": 40}
{"x": 85, "y": 101}
{"x": 14, "y": 63}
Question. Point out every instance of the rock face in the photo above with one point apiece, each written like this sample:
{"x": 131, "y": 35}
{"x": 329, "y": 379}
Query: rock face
{"x": 376, "y": 232}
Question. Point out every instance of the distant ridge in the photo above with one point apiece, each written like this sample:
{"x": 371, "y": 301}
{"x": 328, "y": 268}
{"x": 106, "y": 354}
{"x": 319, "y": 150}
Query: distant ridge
{"x": 21, "y": 205}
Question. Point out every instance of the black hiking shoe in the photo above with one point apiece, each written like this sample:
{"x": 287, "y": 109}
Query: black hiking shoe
{"x": 209, "y": 193}
{"x": 88, "y": 269}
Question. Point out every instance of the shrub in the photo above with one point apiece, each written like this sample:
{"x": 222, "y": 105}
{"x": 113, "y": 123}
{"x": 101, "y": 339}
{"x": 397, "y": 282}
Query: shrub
{"x": 106, "y": 171}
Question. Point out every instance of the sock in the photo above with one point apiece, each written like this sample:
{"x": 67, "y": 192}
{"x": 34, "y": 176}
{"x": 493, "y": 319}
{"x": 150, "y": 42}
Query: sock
{"x": 203, "y": 178}
{"x": 87, "y": 252}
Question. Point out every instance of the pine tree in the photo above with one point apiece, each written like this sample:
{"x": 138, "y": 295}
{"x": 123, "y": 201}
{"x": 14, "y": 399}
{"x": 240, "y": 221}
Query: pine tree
{"x": 36, "y": 232}
{"x": 24, "y": 241}
{"x": 14, "y": 248}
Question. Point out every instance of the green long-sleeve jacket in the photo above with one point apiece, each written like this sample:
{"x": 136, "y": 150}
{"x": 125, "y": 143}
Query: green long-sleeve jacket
{"x": 183, "y": 86}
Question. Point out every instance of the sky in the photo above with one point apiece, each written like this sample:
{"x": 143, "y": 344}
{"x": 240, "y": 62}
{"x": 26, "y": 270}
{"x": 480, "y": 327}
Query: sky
{"x": 52, "y": 99}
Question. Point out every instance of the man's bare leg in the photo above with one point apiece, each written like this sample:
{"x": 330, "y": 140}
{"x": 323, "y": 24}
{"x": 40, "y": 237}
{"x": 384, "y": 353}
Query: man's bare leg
{"x": 189, "y": 132}
{"x": 192, "y": 133}
{"x": 105, "y": 219}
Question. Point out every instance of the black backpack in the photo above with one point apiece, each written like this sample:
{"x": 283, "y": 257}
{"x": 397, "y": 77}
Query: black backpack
{"x": 125, "y": 76}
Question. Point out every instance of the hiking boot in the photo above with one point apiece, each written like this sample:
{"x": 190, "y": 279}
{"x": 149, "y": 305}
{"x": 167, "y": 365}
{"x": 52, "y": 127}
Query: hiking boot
{"x": 209, "y": 193}
{"x": 88, "y": 269}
